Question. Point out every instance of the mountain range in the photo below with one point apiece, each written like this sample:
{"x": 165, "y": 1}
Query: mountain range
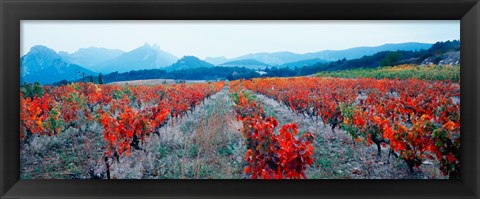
{"x": 111, "y": 60}
{"x": 280, "y": 58}
{"x": 192, "y": 68}
{"x": 188, "y": 62}
{"x": 144, "y": 57}
{"x": 44, "y": 65}
{"x": 91, "y": 57}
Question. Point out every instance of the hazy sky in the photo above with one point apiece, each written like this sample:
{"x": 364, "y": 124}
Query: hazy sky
{"x": 230, "y": 38}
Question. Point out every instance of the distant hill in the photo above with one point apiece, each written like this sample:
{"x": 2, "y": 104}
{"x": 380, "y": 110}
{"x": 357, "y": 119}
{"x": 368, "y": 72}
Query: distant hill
{"x": 89, "y": 58}
{"x": 247, "y": 63}
{"x": 188, "y": 62}
{"x": 280, "y": 58}
{"x": 216, "y": 60}
{"x": 276, "y": 58}
{"x": 44, "y": 65}
{"x": 299, "y": 64}
{"x": 358, "y": 52}
{"x": 144, "y": 57}
{"x": 440, "y": 53}
{"x": 446, "y": 52}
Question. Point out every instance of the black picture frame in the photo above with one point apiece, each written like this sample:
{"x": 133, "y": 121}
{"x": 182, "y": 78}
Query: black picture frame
{"x": 12, "y": 11}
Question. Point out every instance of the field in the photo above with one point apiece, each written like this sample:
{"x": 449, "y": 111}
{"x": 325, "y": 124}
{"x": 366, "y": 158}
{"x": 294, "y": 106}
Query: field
{"x": 431, "y": 72}
{"x": 154, "y": 82}
{"x": 265, "y": 128}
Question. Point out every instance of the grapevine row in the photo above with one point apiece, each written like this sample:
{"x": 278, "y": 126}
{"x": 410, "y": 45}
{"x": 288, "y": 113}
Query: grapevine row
{"x": 270, "y": 156}
{"x": 127, "y": 113}
{"x": 417, "y": 118}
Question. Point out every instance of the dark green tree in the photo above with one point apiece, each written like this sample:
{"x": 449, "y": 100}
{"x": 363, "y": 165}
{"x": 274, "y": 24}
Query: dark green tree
{"x": 390, "y": 59}
{"x": 100, "y": 81}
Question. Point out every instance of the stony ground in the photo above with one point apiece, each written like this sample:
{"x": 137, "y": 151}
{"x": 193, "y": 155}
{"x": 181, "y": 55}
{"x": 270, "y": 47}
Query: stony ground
{"x": 74, "y": 154}
{"x": 204, "y": 144}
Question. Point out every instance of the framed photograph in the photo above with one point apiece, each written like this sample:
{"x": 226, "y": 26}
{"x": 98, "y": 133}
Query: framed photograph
{"x": 142, "y": 99}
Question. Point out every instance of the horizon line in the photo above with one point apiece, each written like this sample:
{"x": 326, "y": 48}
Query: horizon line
{"x": 157, "y": 45}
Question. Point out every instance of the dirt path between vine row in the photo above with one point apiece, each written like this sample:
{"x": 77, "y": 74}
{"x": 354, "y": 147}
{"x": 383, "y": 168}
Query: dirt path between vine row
{"x": 205, "y": 144}
{"x": 336, "y": 156}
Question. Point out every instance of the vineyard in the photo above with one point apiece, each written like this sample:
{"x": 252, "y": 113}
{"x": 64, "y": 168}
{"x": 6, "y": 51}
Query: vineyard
{"x": 428, "y": 72}
{"x": 127, "y": 113}
{"x": 265, "y": 128}
{"x": 416, "y": 118}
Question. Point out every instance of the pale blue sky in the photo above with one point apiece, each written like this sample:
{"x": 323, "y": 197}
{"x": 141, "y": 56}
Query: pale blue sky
{"x": 231, "y": 38}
